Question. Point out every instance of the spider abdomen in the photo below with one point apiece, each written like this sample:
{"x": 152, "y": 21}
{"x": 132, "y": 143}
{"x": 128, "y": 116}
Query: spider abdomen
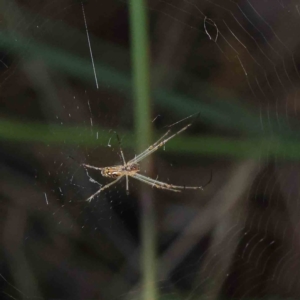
{"x": 117, "y": 171}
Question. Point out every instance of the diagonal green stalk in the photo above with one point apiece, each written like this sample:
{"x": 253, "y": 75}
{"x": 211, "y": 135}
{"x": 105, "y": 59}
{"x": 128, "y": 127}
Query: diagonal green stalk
{"x": 223, "y": 113}
{"x": 142, "y": 113}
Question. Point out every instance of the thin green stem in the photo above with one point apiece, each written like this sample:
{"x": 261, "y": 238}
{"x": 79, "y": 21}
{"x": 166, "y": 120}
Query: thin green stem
{"x": 142, "y": 112}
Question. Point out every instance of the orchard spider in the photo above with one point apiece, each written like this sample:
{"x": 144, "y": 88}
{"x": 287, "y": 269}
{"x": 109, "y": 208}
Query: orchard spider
{"x": 131, "y": 168}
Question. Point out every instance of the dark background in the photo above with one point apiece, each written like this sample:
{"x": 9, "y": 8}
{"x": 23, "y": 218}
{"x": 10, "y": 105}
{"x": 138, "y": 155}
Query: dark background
{"x": 234, "y": 62}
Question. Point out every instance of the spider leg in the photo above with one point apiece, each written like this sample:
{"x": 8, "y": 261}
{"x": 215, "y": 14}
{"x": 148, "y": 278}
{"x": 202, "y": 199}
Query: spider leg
{"x": 150, "y": 147}
{"x": 89, "y": 199}
{"x": 155, "y": 183}
{"x": 168, "y": 185}
{"x": 161, "y": 138}
{"x": 209, "y": 180}
{"x": 121, "y": 151}
{"x": 127, "y": 185}
{"x": 158, "y": 144}
{"x": 91, "y": 167}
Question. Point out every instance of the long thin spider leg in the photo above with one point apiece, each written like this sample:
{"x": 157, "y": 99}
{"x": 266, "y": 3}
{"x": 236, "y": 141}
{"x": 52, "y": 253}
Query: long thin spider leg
{"x": 161, "y": 138}
{"x": 89, "y": 199}
{"x": 209, "y": 180}
{"x": 181, "y": 120}
{"x": 160, "y": 144}
{"x": 121, "y": 151}
{"x": 127, "y": 185}
{"x": 154, "y": 183}
{"x": 150, "y": 147}
{"x": 91, "y": 167}
{"x": 168, "y": 185}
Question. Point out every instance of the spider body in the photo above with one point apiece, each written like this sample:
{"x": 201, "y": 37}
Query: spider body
{"x": 117, "y": 171}
{"x": 132, "y": 169}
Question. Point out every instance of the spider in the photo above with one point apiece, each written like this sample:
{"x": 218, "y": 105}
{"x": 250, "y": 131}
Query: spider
{"x": 132, "y": 169}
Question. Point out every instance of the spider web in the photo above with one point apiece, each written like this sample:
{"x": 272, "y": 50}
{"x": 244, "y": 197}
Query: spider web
{"x": 65, "y": 91}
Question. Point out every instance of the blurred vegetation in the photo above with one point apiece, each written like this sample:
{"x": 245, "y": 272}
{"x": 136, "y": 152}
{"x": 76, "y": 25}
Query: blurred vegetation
{"x": 140, "y": 49}
{"x": 234, "y": 129}
{"x": 254, "y": 147}
{"x": 224, "y": 113}
{"x": 277, "y": 137}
